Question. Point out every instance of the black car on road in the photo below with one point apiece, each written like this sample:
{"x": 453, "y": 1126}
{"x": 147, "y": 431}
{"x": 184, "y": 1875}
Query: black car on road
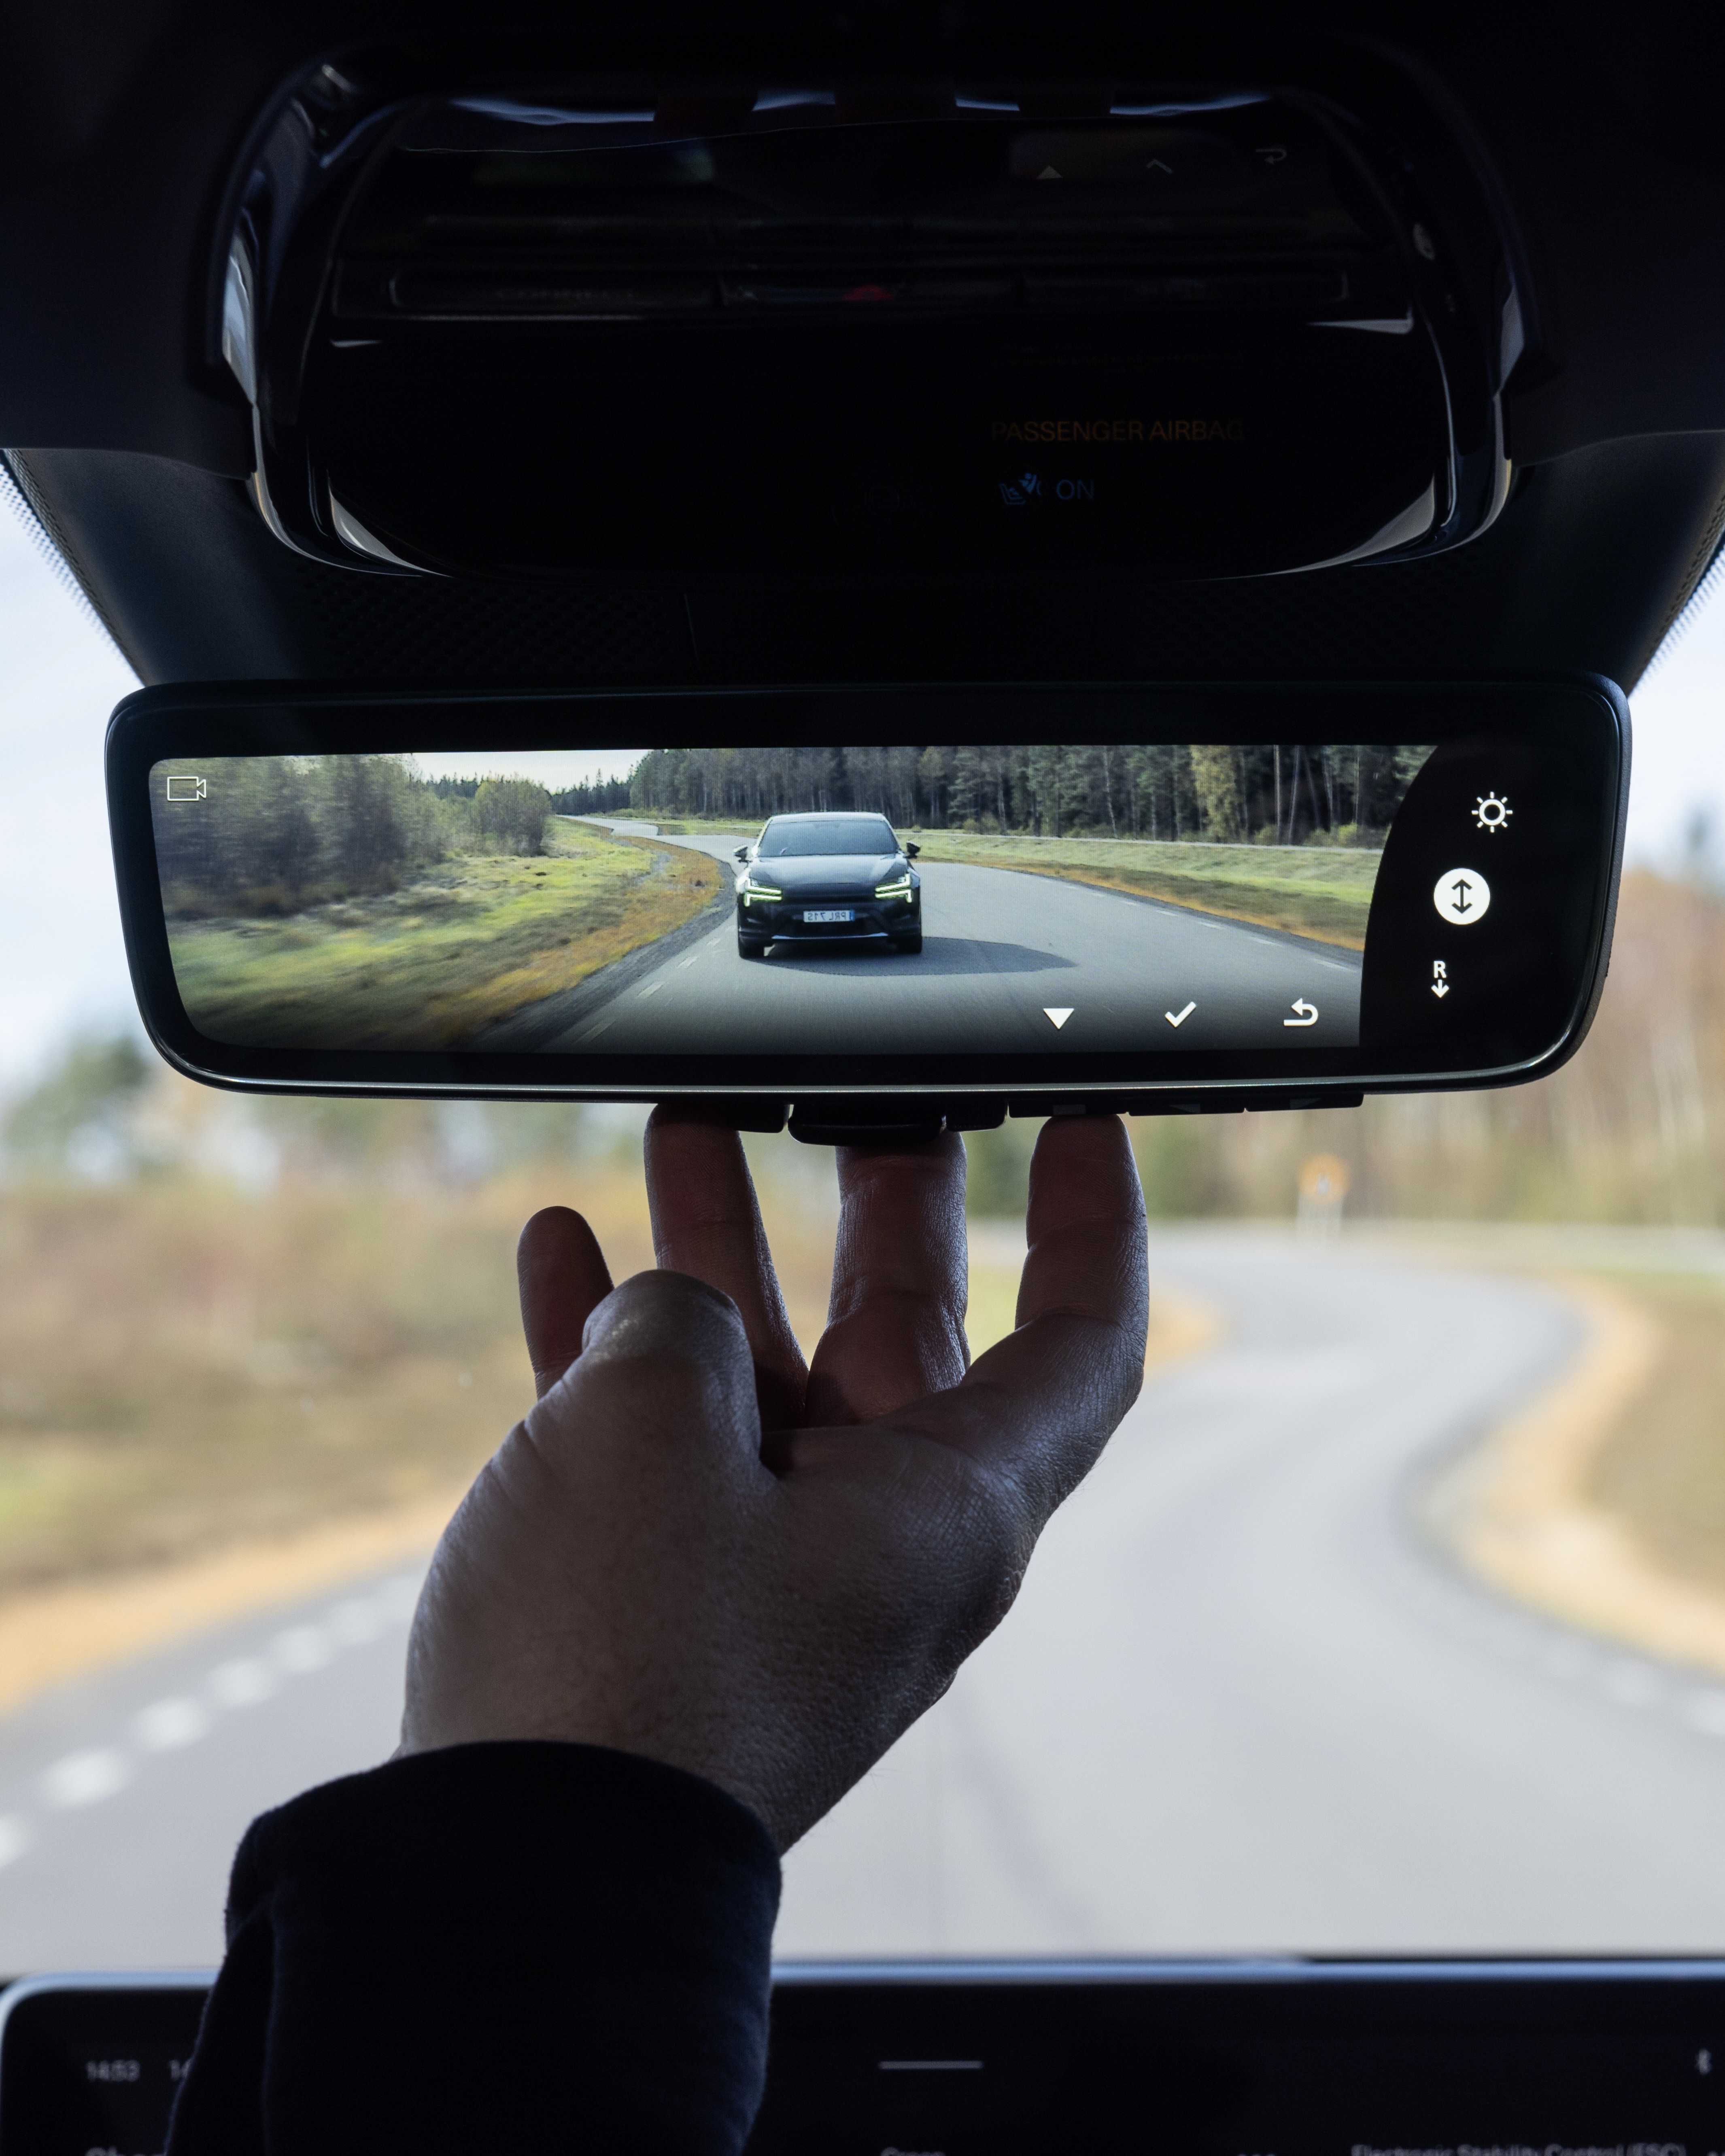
{"x": 828, "y": 877}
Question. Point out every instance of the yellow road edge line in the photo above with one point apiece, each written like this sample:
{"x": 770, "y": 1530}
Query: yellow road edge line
{"x": 64, "y": 1632}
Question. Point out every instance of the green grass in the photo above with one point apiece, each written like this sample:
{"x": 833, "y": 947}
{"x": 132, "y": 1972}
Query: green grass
{"x": 1321, "y": 891}
{"x": 431, "y": 964}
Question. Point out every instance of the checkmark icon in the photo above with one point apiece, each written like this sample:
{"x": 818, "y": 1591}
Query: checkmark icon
{"x": 1179, "y": 1017}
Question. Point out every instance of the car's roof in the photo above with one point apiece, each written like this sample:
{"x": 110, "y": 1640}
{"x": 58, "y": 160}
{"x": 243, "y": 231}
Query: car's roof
{"x": 830, "y": 816}
{"x": 136, "y": 443}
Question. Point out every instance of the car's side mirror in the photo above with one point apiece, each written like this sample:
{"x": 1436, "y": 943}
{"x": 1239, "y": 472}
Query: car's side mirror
{"x": 911, "y": 852}
{"x": 742, "y": 853}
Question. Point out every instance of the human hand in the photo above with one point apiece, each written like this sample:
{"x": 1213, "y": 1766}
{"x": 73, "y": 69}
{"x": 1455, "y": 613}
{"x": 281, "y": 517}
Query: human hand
{"x": 698, "y": 1550}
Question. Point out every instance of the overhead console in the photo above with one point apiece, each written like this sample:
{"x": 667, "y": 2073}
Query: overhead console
{"x": 576, "y": 330}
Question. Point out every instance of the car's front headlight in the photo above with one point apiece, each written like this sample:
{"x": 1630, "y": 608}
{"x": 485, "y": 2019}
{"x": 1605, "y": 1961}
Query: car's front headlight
{"x": 753, "y": 889}
{"x": 899, "y": 888}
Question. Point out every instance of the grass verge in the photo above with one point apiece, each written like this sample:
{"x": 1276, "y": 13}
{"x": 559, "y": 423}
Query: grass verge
{"x": 213, "y": 1401}
{"x": 431, "y": 964}
{"x": 1599, "y": 1501}
{"x": 1661, "y": 1471}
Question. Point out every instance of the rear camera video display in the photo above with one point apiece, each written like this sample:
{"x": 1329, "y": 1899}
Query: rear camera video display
{"x": 955, "y": 900}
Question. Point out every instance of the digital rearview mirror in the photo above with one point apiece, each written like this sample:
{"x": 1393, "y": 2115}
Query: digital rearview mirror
{"x": 865, "y": 906}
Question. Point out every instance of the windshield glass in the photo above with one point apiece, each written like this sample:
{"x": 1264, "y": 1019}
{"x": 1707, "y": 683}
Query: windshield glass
{"x": 842, "y": 834}
{"x": 1392, "y": 1619}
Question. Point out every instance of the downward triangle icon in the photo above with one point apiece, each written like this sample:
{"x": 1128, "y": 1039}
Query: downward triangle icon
{"x": 1048, "y": 172}
{"x": 1060, "y": 1017}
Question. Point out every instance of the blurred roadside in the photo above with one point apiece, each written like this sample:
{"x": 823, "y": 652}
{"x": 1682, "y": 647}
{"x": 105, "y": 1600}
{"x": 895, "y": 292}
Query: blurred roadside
{"x": 232, "y": 1325}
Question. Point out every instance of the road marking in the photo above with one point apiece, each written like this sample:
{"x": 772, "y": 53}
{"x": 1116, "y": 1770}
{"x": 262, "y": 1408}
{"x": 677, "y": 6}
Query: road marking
{"x": 1705, "y": 1710}
{"x": 90, "y": 1776}
{"x": 171, "y": 1724}
{"x": 689, "y": 960}
{"x": 1180, "y": 1019}
{"x": 303, "y": 1647}
{"x": 1058, "y": 1017}
{"x": 1631, "y": 1684}
{"x": 399, "y": 1598}
{"x": 356, "y": 1624}
{"x": 652, "y": 988}
{"x": 246, "y": 1682}
{"x": 86, "y": 1778}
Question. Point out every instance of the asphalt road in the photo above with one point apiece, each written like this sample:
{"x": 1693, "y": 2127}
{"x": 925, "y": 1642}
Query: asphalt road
{"x": 1000, "y": 949}
{"x": 1241, "y": 1706}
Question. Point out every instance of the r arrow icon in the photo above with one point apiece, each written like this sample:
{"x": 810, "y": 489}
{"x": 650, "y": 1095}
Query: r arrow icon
{"x": 1057, "y": 1017}
{"x": 1441, "y": 989}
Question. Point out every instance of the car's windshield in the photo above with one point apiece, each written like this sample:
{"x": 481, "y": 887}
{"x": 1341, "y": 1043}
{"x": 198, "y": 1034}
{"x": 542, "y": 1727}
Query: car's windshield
{"x": 1392, "y": 1619}
{"x": 835, "y": 834}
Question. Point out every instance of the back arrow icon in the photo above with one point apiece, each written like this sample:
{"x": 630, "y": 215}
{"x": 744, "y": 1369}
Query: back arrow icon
{"x": 1305, "y": 1014}
{"x": 1441, "y": 989}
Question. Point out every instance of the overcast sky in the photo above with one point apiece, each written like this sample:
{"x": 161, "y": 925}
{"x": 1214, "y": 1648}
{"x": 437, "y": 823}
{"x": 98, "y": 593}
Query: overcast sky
{"x": 62, "y": 966}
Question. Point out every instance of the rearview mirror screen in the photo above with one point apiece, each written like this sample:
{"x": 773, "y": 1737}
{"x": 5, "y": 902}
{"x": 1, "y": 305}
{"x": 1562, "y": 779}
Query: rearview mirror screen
{"x": 771, "y": 893}
{"x": 615, "y": 901}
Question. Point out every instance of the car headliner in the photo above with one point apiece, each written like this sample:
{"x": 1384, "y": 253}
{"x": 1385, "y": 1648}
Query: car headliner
{"x": 123, "y": 121}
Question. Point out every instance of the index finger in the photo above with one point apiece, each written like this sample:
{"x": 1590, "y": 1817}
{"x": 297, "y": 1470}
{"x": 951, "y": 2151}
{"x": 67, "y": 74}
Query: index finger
{"x": 1039, "y": 1407}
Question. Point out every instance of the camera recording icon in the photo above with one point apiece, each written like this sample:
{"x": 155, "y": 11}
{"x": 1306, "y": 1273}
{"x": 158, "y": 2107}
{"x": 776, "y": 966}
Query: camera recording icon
{"x": 182, "y": 787}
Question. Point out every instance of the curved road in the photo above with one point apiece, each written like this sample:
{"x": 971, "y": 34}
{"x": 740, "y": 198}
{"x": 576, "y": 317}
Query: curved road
{"x": 1000, "y": 948}
{"x": 1240, "y": 1705}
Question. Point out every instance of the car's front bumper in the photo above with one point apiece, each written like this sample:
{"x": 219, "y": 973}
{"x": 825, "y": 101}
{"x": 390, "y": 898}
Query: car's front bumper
{"x": 785, "y": 920}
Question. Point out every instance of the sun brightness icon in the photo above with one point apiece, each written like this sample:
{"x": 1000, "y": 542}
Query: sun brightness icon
{"x": 1492, "y": 812}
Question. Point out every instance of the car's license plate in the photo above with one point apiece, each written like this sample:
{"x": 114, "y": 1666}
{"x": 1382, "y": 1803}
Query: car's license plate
{"x": 833, "y": 913}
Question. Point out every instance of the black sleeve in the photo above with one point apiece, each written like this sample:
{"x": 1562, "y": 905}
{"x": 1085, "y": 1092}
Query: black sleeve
{"x": 532, "y": 1946}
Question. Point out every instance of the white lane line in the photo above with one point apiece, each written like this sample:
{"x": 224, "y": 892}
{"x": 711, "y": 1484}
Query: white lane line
{"x": 170, "y": 1724}
{"x": 356, "y": 1624}
{"x": 1631, "y": 1684}
{"x": 90, "y": 1776}
{"x": 399, "y": 1598}
{"x": 652, "y": 988}
{"x": 1705, "y": 1710}
{"x": 303, "y": 1648}
{"x": 245, "y": 1682}
{"x": 689, "y": 960}
{"x": 86, "y": 1778}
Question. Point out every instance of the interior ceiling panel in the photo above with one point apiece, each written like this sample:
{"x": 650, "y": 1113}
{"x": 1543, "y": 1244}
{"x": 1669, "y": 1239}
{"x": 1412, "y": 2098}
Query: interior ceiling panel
{"x": 121, "y": 125}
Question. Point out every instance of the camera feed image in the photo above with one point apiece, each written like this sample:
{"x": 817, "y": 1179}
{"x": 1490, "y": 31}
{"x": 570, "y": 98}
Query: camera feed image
{"x": 862, "y": 900}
